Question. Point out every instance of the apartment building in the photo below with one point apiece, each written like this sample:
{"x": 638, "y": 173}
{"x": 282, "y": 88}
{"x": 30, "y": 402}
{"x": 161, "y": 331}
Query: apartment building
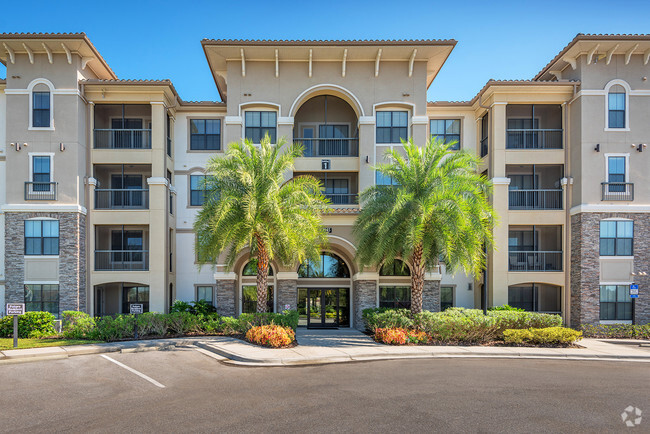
{"x": 104, "y": 175}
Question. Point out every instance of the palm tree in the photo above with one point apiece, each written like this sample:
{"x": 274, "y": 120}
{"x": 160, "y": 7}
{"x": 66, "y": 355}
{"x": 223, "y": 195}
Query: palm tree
{"x": 249, "y": 204}
{"x": 437, "y": 206}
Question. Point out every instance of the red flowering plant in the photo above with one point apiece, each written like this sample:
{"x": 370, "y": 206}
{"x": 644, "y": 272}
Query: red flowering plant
{"x": 273, "y": 336}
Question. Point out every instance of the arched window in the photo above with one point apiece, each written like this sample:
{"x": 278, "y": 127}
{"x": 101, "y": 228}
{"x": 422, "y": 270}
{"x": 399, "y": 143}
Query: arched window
{"x": 330, "y": 266}
{"x": 41, "y": 106}
{"x": 396, "y": 268}
{"x": 616, "y": 106}
{"x": 250, "y": 269}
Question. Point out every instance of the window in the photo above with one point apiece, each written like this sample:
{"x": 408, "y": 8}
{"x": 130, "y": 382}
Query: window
{"x": 616, "y": 107}
{"x": 522, "y": 297}
{"x": 397, "y": 297}
{"x": 447, "y": 130}
{"x": 615, "y": 303}
{"x": 381, "y": 179}
{"x": 197, "y": 190}
{"x": 205, "y": 293}
{"x": 616, "y": 238}
{"x": 446, "y": 297}
{"x": 337, "y": 191}
{"x": 41, "y": 109}
{"x": 41, "y": 237}
{"x": 250, "y": 269}
{"x": 169, "y": 135}
{"x": 258, "y": 124}
{"x": 616, "y": 173}
{"x": 249, "y": 299}
{"x": 42, "y": 298}
{"x": 171, "y": 196}
{"x": 523, "y": 241}
{"x": 392, "y": 127}
{"x": 330, "y": 265}
{"x": 485, "y": 128}
{"x": 397, "y": 268}
{"x": 205, "y": 134}
{"x": 135, "y": 294}
{"x": 41, "y": 176}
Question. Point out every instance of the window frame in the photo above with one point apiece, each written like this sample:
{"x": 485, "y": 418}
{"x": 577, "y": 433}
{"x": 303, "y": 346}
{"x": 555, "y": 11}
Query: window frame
{"x": 41, "y": 301}
{"x": 615, "y": 238}
{"x": 42, "y": 237}
{"x": 453, "y": 296}
{"x": 456, "y": 147}
{"x": 274, "y": 136}
{"x": 31, "y": 156}
{"x": 197, "y": 287}
{"x": 626, "y": 117}
{"x": 145, "y": 304}
{"x": 190, "y": 134}
{"x": 394, "y": 303}
{"x": 628, "y": 301}
{"x": 391, "y": 127}
{"x": 270, "y": 303}
{"x": 307, "y": 263}
{"x": 190, "y": 190}
{"x": 31, "y": 90}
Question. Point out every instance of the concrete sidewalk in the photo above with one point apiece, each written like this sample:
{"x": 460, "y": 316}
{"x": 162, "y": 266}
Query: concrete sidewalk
{"x": 348, "y": 345}
{"x": 337, "y": 346}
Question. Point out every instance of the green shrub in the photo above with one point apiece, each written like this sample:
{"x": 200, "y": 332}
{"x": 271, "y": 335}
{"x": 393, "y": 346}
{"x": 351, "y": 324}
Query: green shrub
{"x": 457, "y": 326}
{"x": 542, "y": 336}
{"x": 211, "y": 323}
{"x": 30, "y": 325}
{"x": 524, "y": 320}
{"x": 230, "y": 326}
{"x": 116, "y": 328}
{"x": 152, "y": 324}
{"x": 200, "y": 307}
{"x": 77, "y": 325}
{"x": 506, "y": 307}
{"x": 616, "y": 331}
{"x": 381, "y": 317}
{"x": 180, "y": 323}
{"x": 180, "y": 306}
{"x": 288, "y": 318}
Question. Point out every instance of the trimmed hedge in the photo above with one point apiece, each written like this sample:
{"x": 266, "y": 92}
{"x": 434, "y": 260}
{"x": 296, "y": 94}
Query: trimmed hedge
{"x": 616, "y": 331}
{"x": 77, "y": 325}
{"x": 543, "y": 336}
{"x": 30, "y": 325}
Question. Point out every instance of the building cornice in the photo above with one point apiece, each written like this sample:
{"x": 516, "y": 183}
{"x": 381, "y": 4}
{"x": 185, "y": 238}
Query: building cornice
{"x": 28, "y": 207}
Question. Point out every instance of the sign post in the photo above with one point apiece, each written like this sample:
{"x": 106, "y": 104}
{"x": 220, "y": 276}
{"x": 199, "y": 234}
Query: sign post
{"x": 135, "y": 309}
{"x": 15, "y": 309}
{"x": 634, "y": 294}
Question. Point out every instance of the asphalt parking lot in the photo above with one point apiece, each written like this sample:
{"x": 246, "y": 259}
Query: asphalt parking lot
{"x": 196, "y": 393}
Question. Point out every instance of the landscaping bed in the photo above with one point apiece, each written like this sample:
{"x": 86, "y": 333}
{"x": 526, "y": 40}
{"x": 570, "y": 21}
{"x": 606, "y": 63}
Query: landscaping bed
{"x": 458, "y": 326}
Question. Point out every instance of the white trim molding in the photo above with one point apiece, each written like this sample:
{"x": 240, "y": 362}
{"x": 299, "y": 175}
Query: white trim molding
{"x": 366, "y": 120}
{"x": 627, "y": 164}
{"x": 30, "y": 90}
{"x": 628, "y": 90}
{"x": 500, "y": 181}
{"x": 157, "y": 180}
{"x": 233, "y": 120}
{"x": 318, "y": 89}
{"x": 225, "y": 275}
{"x": 419, "y": 120}
{"x": 286, "y": 275}
{"x": 28, "y": 207}
{"x": 285, "y": 120}
{"x": 627, "y": 208}
{"x": 366, "y": 275}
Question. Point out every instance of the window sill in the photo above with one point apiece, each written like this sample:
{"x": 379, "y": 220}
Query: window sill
{"x": 615, "y": 321}
{"x": 41, "y": 128}
{"x": 41, "y": 256}
{"x": 616, "y": 129}
{"x": 205, "y": 151}
{"x": 622, "y": 258}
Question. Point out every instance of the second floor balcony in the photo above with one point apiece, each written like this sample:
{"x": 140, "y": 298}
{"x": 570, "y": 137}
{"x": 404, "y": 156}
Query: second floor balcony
{"x": 535, "y": 248}
{"x": 329, "y": 147}
{"x": 122, "y": 126}
{"x": 534, "y": 126}
{"x": 341, "y": 188}
{"x": 121, "y": 248}
{"x": 535, "y": 187}
{"x": 121, "y": 186}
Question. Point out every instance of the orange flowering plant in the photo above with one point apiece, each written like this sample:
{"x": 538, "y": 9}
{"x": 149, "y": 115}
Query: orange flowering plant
{"x": 400, "y": 336}
{"x": 273, "y": 336}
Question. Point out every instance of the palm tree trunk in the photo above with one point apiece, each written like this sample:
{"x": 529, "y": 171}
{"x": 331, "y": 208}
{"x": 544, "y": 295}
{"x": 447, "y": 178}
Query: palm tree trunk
{"x": 417, "y": 280}
{"x": 262, "y": 275}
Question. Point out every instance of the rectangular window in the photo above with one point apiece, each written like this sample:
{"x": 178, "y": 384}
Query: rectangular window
{"x": 392, "y": 127}
{"x": 337, "y": 191}
{"x": 41, "y": 237}
{"x": 42, "y": 298}
{"x": 485, "y": 128}
{"x": 616, "y": 103}
{"x": 41, "y": 176}
{"x": 398, "y": 297}
{"x": 204, "y": 293}
{"x": 205, "y": 134}
{"x": 447, "y": 130}
{"x": 249, "y": 299}
{"x": 616, "y": 174}
{"x": 446, "y": 297}
{"x": 615, "y": 303}
{"x": 197, "y": 190}
{"x": 381, "y": 179}
{"x": 616, "y": 238}
{"x": 135, "y": 294}
{"x": 522, "y": 297}
{"x": 41, "y": 109}
{"x": 258, "y": 124}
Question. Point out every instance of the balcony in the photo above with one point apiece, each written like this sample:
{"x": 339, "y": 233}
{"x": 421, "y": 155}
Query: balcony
{"x": 121, "y": 260}
{"x": 121, "y": 248}
{"x": 342, "y": 199}
{"x": 535, "y": 248}
{"x": 535, "y": 187}
{"x": 324, "y": 147}
{"x": 122, "y": 126}
{"x": 617, "y": 191}
{"x": 121, "y": 186}
{"x": 41, "y": 190}
{"x": 534, "y": 126}
{"x": 112, "y": 198}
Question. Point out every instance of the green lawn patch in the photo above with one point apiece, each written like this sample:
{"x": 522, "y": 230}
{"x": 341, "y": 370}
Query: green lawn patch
{"x": 8, "y": 344}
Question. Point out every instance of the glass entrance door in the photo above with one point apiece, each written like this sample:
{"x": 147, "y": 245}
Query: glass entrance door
{"x": 325, "y": 307}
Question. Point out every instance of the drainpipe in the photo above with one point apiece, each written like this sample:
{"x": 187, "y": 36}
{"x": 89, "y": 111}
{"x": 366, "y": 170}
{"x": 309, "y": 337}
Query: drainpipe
{"x": 567, "y": 205}
{"x": 485, "y": 272}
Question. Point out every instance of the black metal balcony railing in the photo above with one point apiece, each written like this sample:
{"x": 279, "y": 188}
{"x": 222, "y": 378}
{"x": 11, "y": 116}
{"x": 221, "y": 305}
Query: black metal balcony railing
{"x": 535, "y": 261}
{"x": 122, "y": 260}
{"x": 535, "y": 199}
{"x": 41, "y": 190}
{"x": 122, "y": 139}
{"x": 617, "y": 191}
{"x": 534, "y": 138}
{"x": 121, "y": 198}
{"x": 342, "y": 199}
{"x": 341, "y": 147}
{"x": 484, "y": 147}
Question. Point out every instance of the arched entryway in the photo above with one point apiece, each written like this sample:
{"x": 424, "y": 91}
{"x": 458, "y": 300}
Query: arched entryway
{"x": 324, "y": 292}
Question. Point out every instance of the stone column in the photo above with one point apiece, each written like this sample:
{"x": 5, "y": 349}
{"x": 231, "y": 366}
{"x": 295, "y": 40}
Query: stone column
{"x": 431, "y": 291}
{"x": 226, "y": 290}
{"x": 364, "y": 296}
{"x": 72, "y": 262}
{"x": 585, "y": 269}
{"x": 287, "y": 290}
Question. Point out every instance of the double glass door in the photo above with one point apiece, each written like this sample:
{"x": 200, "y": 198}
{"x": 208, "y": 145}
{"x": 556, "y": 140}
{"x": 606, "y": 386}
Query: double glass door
{"x": 327, "y": 308}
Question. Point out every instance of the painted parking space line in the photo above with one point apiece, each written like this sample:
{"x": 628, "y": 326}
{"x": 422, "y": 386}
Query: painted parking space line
{"x": 138, "y": 373}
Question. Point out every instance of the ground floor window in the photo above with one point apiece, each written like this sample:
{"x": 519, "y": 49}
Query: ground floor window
{"x": 446, "y": 297}
{"x": 205, "y": 293}
{"x": 135, "y": 294}
{"x": 615, "y": 303}
{"x": 43, "y": 298}
{"x": 398, "y": 297}
{"x": 249, "y": 299}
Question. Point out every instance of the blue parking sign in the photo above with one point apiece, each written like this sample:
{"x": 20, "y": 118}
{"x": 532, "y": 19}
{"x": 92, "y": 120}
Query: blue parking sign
{"x": 634, "y": 290}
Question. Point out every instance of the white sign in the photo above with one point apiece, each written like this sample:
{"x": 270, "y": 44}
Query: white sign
{"x": 136, "y": 308}
{"x": 15, "y": 308}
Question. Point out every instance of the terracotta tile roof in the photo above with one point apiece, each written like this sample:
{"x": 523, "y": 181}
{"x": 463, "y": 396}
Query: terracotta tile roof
{"x": 593, "y": 37}
{"x": 163, "y": 82}
{"x": 350, "y": 210}
{"x": 207, "y": 41}
{"x": 203, "y": 103}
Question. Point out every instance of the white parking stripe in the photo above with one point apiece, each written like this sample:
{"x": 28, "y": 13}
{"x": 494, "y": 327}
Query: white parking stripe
{"x": 138, "y": 373}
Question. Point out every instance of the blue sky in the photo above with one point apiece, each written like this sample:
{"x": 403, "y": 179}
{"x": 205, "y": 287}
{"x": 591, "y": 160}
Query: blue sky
{"x": 161, "y": 39}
